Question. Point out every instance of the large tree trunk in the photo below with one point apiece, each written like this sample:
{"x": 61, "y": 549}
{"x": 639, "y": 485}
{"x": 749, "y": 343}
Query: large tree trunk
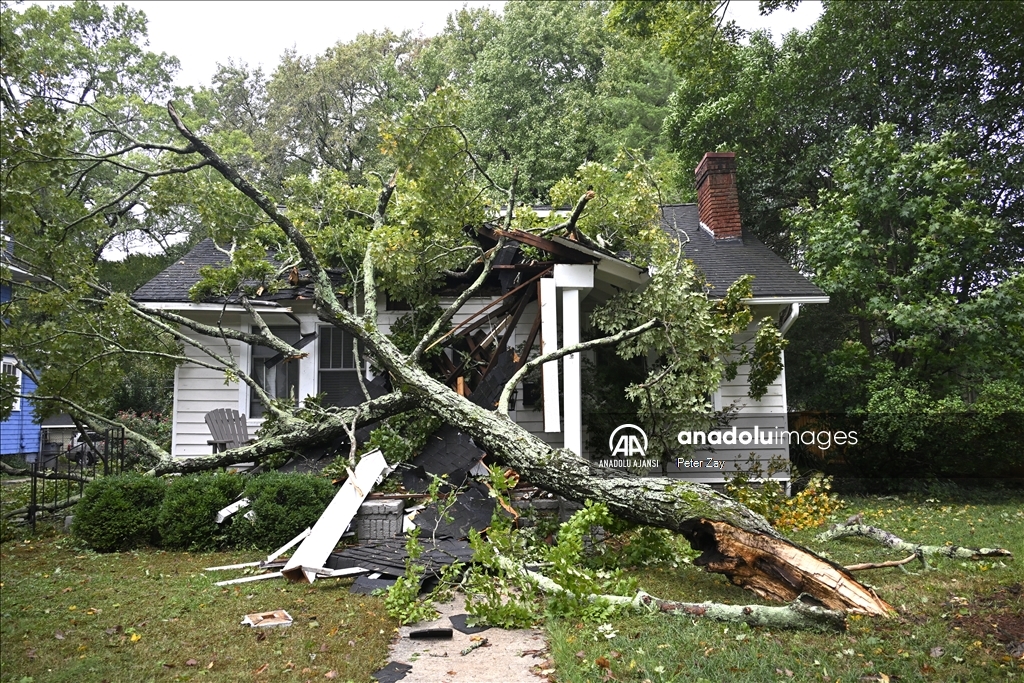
{"x": 735, "y": 540}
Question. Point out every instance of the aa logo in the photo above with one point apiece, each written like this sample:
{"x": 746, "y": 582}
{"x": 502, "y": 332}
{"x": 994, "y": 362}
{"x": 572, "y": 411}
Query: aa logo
{"x": 628, "y": 441}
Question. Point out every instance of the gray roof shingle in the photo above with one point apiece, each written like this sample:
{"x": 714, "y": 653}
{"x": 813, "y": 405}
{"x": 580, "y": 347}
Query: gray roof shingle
{"x": 725, "y": 261}
{"x": 721, "y": 261}
{"x": 173, "y": 283}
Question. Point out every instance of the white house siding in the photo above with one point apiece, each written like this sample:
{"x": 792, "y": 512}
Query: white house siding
{"x": 768, "y": 413}
{"x": 198, "y": 390}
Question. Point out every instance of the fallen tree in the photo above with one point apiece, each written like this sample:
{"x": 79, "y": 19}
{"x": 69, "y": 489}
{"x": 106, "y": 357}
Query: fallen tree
{"x": 796, "y": 615}
{"x": 734, "y": 540}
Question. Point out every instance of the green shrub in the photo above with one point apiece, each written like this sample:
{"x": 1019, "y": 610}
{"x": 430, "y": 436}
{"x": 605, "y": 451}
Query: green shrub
{"x": 282, "y": 505}
{"x": 119, "y": 512}
{"x": 190, "y": 507}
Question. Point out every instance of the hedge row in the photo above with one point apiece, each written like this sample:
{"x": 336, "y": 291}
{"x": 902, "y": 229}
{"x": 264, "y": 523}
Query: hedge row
{"x": 131, "y": 510}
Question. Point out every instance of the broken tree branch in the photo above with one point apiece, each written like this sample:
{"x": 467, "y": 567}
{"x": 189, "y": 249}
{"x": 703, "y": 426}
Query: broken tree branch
{"x": 893, "y": 541}
{"x": 45, "y": 507}
{"x": 506, "y": 392}
{"x": 328, "y": 426}
{"x": 41, "y": 474}
{"x": 796, "y": 615}
{"x": 459, "y": 302}
{"x": 880, "y": 565}
{"x": 570, "y": 225}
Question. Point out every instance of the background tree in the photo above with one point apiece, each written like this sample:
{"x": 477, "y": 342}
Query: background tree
{"x": 926, "y": 69}
{"x": 933, "y": 291}
{"x": 67, "y": 73}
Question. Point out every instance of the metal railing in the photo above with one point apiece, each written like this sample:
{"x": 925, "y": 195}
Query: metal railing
{"x": 62, "y": 469}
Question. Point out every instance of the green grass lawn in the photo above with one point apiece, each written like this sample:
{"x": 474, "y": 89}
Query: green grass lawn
{"x": 73, "y": 615}
{"x": 954, "y": 623}
{"x": 67, "y": 614}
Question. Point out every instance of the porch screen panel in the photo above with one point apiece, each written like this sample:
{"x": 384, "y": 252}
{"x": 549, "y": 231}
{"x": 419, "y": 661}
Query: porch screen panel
{"x": 337, "y": 372}
{"x": 280, "y": 380}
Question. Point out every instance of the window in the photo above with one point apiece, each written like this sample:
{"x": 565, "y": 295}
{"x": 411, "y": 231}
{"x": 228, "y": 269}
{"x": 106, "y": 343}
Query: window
{"x": 278, "y": 377}
{"x": 337, "y": 371}
{"x": 11, "y": 370}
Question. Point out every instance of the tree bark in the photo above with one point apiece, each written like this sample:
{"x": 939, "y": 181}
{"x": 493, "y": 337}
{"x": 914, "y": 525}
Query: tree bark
{"x": 893, "y": 541}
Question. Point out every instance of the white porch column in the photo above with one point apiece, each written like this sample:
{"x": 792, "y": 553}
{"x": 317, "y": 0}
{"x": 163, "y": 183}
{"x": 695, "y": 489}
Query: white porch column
{"x": 572, "y": 279}
{"x": 572, "y": 394}
{"x": 549, "y": 343}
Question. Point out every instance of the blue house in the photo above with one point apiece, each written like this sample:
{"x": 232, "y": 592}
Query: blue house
{"x": 19, "y": 434}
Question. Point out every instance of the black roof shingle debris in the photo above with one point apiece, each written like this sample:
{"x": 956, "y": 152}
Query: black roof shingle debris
{"x": 725, "y": 261}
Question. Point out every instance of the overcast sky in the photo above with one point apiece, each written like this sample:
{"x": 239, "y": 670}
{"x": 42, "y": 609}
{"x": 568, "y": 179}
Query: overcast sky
{"x": 203, "y": 34}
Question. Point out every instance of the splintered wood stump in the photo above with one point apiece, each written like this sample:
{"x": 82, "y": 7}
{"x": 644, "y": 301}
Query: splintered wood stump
{"x": 775, "y": 569}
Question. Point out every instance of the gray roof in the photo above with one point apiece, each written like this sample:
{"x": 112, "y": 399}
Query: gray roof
{"x": 721, "y": 261}
{"x": 725, "y": 261}
{"x": 177, "y": 279}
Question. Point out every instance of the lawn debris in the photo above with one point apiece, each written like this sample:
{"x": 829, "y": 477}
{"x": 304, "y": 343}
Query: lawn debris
{"x": 267, "y": 619}
{"x": 248, "y": 579}
{"x": 482, "y": 642}
{"x": 893, "y": 541}
{"x": 393, "y": 672}
{"x": 364, "y": 585}
{"x": 430, "y": 633}
{"x": 459, "y": 622}
{"x": 388, "y": 557}
{"x": 223, "y": 515}
{"x": 317, "y": 546}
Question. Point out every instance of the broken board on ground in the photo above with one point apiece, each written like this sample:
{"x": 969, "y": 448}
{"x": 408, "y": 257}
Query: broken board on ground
{"x": 315, "y": 548}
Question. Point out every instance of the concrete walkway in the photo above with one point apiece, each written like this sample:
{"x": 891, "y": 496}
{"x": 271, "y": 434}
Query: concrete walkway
{"x": 509, "y": 657}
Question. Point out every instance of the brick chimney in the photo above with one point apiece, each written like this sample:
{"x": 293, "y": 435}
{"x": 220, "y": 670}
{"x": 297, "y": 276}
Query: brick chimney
{"x": 718, "y": 203}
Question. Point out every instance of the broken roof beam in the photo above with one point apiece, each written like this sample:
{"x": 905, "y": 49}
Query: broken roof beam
{"x": 559, "y": 251}
{"x": 524, "y": 301}
{"x": 506, "y": 301}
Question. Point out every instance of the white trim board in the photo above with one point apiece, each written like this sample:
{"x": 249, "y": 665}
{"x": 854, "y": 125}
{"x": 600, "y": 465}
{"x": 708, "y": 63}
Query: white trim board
{"x": 755, "y": 300}
{"x": 327, "y": 531}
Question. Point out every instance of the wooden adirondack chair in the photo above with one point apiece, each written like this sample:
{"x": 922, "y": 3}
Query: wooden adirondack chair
{"x": 228, "y": 429}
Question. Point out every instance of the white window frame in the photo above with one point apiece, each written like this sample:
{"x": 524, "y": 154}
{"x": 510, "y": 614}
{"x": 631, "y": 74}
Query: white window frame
{"x": 9, "y": 362}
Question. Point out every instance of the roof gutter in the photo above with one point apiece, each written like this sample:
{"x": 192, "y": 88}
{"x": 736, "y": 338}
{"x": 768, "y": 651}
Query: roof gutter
{"x": 761, "y": 300}
{"x": 229, "y": 308}
{"x": 794, "y": 313}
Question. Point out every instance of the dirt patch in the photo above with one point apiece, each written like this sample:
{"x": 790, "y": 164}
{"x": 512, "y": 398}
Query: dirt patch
{"x": 1000, "y": 615}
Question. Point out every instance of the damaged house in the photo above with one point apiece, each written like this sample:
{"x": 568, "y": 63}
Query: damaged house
{"x": 525, "y": 306}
